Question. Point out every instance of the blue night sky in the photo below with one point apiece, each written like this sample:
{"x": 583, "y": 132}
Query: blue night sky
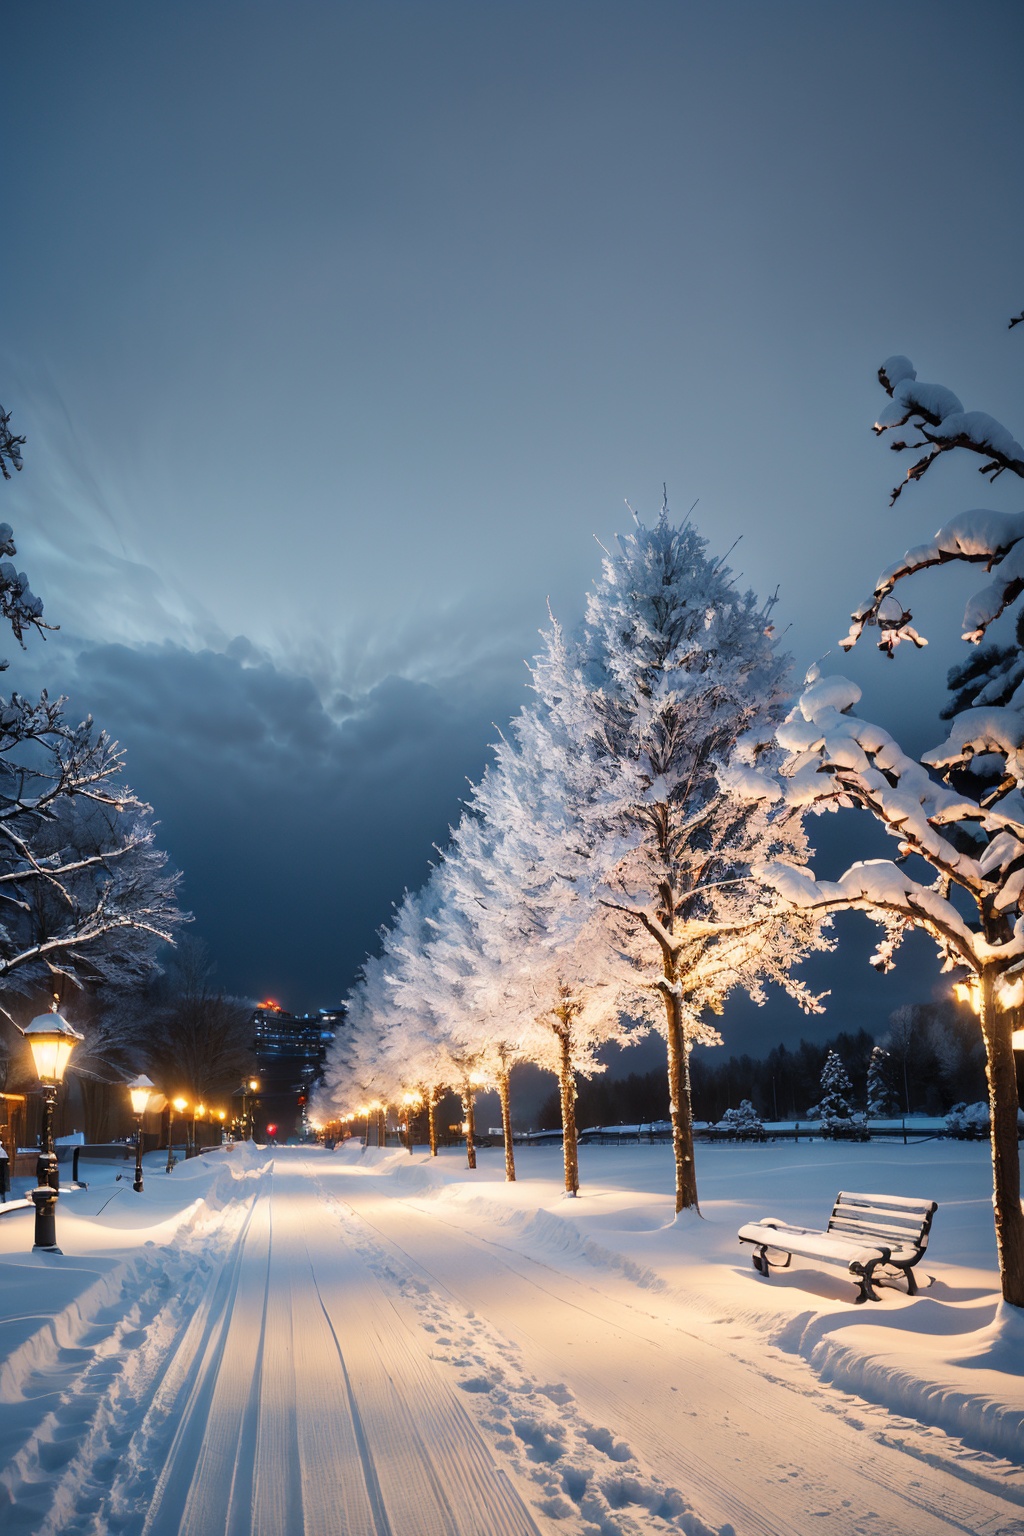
{"x": 338, "y": 331}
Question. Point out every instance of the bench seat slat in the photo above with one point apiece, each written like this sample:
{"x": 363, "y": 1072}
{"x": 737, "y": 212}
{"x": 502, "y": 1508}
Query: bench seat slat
{"x": 810, "y": 1244}
{"x": 901, "y": 1202}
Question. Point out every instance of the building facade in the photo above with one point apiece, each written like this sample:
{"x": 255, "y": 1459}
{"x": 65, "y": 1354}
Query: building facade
{"x": 290, "y": 1054}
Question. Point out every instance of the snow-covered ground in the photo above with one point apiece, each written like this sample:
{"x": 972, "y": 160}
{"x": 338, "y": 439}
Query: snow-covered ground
{"x": 368, "y": 1344}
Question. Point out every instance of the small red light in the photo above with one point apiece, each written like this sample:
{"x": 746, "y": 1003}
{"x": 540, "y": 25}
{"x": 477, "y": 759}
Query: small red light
{"x": 271, "y": 1130}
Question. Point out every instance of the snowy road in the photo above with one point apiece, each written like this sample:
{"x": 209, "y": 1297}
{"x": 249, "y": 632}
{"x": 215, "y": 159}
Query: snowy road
{"x": 333, "y": 1357}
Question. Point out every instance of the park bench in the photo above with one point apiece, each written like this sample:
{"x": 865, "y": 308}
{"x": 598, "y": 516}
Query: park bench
{"x": 865, "y": 1233}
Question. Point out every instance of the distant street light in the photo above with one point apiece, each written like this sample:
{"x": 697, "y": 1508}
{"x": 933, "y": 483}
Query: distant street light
{"x": 52, "y": 1039}
{"x": 180, "y": 1105}
{"x": 139, "y": 1090}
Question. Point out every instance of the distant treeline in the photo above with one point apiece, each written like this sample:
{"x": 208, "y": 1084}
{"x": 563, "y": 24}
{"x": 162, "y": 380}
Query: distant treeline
{"x": 936, "y": 1059}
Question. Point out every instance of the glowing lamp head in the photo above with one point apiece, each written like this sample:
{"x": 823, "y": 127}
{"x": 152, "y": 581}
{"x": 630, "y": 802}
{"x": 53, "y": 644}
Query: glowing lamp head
{"x": 180, "y": 1105}
{"x": 221, "y": 1114}
{"x": 52, "y": 1040}
{"x": 968, "y": 991}
{"x": 410, "y": 1099}
{"x": 477, "y": 1079}
{"x": 200, "y": 1111}
{"x": 139, "y": 1090}
{"x": 254, "y": 1085}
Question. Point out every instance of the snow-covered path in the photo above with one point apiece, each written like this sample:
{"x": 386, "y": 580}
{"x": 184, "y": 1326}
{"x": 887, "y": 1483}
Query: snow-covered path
{"x": 321, "y": 1347}
{"x": 315, "y": 1409}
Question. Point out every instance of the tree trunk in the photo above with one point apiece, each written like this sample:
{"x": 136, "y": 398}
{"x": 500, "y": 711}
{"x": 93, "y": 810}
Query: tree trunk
{"x": 506, "y": 1126}
{"x": 469, "y": 1115}
{"x": 679, "y": 1103}
{"x": 432, "y": 1120}
{"x": 567, "y": 1089}
{"x": 1000, "y": 1069}
{"x": 382, "y": 1128}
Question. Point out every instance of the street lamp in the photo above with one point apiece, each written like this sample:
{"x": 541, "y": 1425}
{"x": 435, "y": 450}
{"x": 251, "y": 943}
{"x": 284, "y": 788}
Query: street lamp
{"x": 52, "y": 1039}
{"x": 411, "y": 1101}
{"x": 139, "y": 1090}
{"x": 180, "y": 1105}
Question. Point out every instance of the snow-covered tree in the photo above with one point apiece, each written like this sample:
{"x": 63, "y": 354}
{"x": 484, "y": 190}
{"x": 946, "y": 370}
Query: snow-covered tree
{"x": 834, "y": 1109}
{"x": 959, "y": 809}
{"x": 84, "y": 891}
{"x": 543, "y": 985}
{"x": 671, "y": 698}
{"x": 881, "y": 1096}
{"x": 10, "y": 446}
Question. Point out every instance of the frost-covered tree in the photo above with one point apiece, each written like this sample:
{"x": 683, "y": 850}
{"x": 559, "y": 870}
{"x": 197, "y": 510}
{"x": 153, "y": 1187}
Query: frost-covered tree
{"x": 543, "y": 986}
{"x": 957, "y": 813}
{"x": 669, "y": 701}
{"x": 881, "y": 1096}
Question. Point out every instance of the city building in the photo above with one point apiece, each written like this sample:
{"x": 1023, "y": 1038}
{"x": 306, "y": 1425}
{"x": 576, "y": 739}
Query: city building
{"x": 290, "y": 1054}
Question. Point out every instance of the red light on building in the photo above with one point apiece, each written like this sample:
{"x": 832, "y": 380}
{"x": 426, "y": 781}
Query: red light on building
{"x": 271, "y": 1130}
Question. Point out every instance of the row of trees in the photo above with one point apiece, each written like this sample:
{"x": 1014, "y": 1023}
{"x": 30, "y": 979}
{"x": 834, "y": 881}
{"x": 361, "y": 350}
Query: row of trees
{"x": 602, "y": 880}
{"x": 637, "y": 850}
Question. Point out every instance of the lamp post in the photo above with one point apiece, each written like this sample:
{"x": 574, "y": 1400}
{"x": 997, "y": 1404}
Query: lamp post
{"x": 250, "y": 1087}
{"x": 180, "y": 1105}
{"x": 52, "y": 1039}
{"x": 139, "y": 1090}
{"x": 411, "y": 1101}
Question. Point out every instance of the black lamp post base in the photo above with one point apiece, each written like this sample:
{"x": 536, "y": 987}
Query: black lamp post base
{"x": 45, "y": 1201}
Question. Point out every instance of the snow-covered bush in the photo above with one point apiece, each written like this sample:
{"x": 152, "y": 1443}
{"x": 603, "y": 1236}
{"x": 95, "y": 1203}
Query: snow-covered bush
{"x": 968, "y": 1122}
{"x": 744, "y": 1123}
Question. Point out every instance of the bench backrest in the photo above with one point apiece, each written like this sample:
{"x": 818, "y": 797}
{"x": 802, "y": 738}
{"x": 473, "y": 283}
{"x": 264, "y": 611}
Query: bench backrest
{"x": 897, "y": 1220}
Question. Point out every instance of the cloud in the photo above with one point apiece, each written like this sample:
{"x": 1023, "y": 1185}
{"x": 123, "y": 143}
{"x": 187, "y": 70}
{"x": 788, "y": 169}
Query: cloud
{"x": 296, "y": 830}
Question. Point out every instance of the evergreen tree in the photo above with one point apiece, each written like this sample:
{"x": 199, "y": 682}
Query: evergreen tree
{"x": 834, "y": 1109}
{"x": 881, "y": 1097}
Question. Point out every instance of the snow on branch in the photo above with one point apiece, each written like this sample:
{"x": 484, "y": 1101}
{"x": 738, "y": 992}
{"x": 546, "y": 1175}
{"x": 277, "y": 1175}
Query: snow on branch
{"x": 938, "y": 415}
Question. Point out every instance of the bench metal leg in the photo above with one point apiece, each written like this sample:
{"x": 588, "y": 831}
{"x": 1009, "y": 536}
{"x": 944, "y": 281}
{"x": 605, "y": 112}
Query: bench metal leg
{"x": 866, "y": 1275}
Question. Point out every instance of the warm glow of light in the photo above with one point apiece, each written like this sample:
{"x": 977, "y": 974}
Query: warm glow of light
{"x": 968, "y": 991}
{"x": 254, "y": 1085}
{"x": 200, "y": 1111}
{"x": 477, "y": 1079}
{"x": 1018, "y": 1040}
{"x": 180, "y": 1105}
{"x": 411, "y": 1098}
{"x": 52, "y": 1040}
{"x": 139, "y": 1090}
{"x": 271, "y": 1005}
{"x": 220, "y": 1114}
{"x": 464, "y": 1127}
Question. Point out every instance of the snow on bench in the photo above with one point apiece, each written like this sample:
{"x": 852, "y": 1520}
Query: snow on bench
{"x": 865, "y": 1233}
